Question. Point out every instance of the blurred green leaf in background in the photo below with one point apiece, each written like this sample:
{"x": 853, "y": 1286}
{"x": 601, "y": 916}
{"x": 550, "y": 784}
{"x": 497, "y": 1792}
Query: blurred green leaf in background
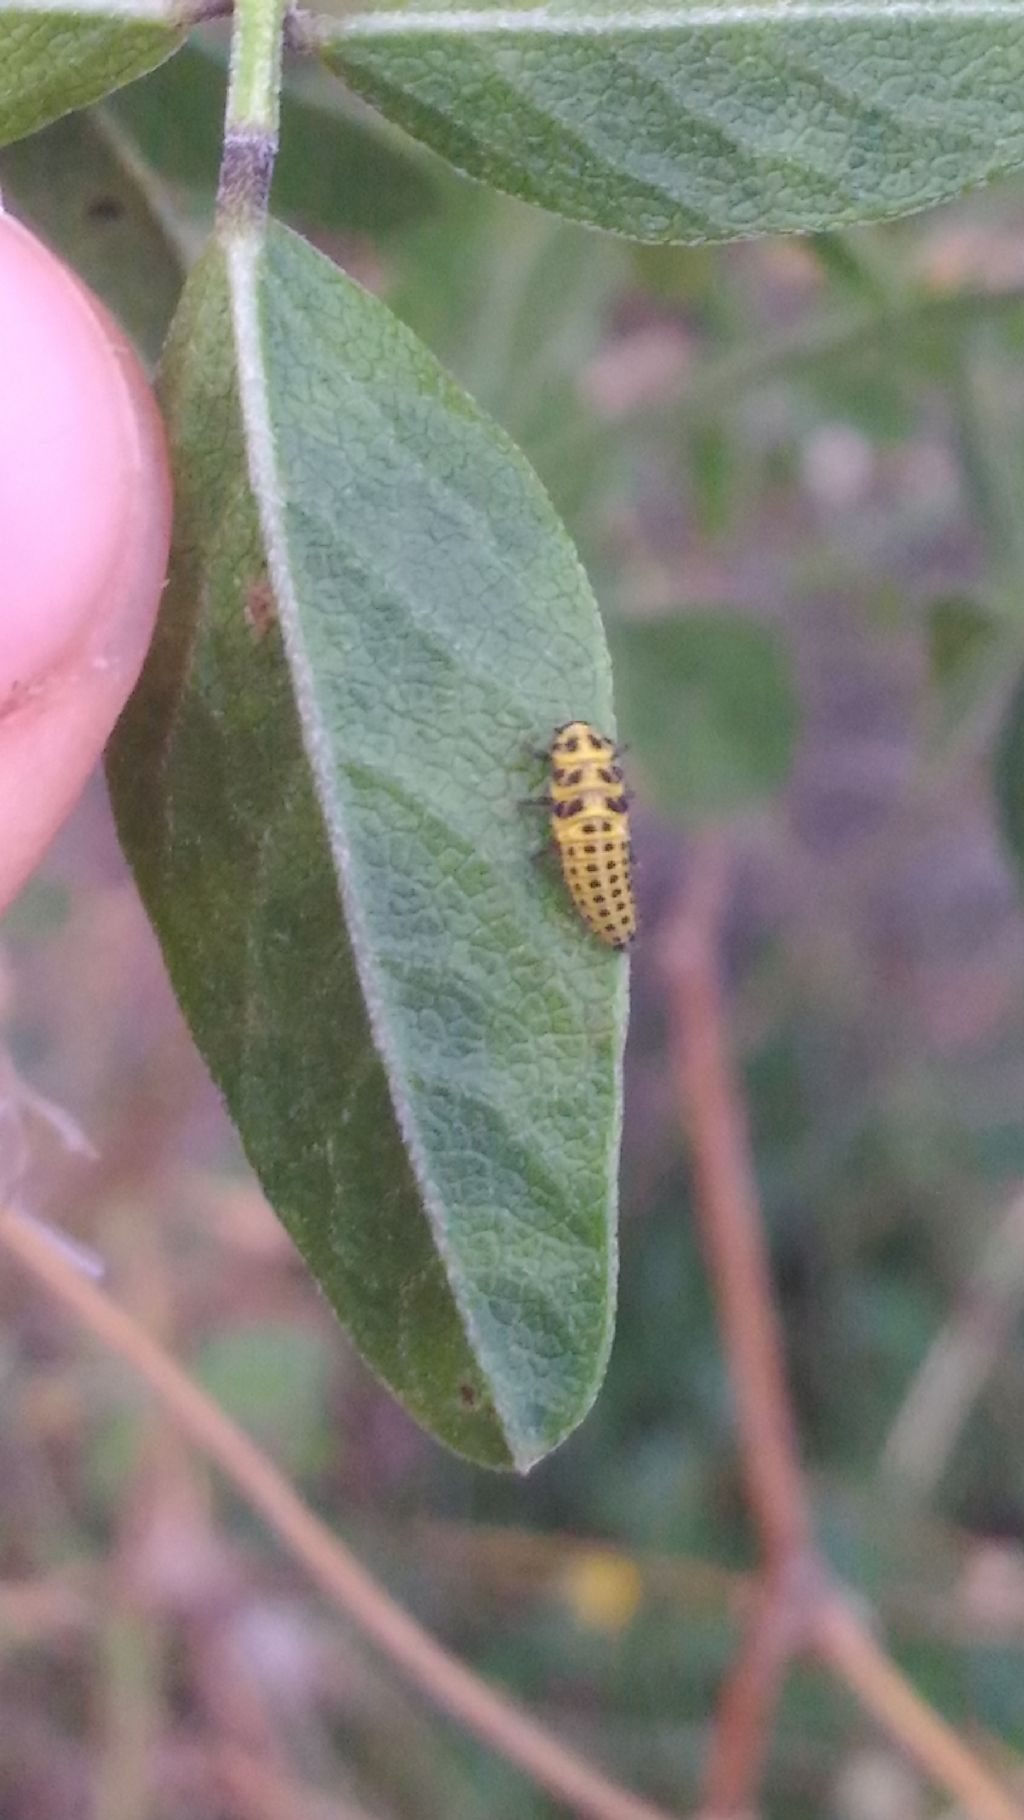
{"x": 708, "y": 704}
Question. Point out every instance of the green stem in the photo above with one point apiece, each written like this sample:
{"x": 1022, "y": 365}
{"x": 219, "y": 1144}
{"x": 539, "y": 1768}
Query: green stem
{"x": 250, "y": 127}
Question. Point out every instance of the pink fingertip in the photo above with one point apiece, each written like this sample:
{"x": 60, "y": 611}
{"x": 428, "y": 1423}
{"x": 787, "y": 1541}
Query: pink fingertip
{"x": 85, "y": 511}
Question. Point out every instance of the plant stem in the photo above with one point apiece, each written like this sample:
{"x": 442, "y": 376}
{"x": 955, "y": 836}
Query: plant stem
{"x": 845, "y": 1643}
{"x": 712, "y": 1111}
{"x": 748, "y": 1699}
{"x": 958, "y": 1362}
{"x": 728, "y": 1209}
{"x": 799, "y": 1608}
{"x": 440, "y": 1677}
{"x": 251, "y": 121}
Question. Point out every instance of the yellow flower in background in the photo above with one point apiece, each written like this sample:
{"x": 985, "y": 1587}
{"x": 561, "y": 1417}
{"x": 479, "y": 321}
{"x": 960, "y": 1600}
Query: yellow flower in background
{"x": 602, "y": 1589}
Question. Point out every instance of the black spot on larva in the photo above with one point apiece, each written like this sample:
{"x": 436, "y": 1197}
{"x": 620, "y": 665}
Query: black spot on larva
{"x": 589, "y": 828}
{"x": 593, "y": 867}
{"x": 590, "y": 848}
{"x": 609, "y": 846}
{"x": 597, "y": 742}
{"x": 570, "y": 745}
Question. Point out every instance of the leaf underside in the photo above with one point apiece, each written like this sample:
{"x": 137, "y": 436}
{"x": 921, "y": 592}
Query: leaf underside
{"x": 425, "y": 1075}
{"x": 693, "y": 122}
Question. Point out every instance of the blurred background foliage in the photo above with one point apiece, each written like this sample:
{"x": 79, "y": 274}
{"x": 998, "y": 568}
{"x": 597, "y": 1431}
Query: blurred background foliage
{"x": 793, "y": 470}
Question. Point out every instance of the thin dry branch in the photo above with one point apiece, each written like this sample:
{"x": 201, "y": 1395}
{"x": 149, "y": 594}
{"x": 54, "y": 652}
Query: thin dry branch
{"x": 262, "y": 1793}
{"x": 844, "y": 1641}
{"x": 728, "y": 1208}
{"x": 957, "y": 1365}
{"x": 439, "y": 1676}
{"x": 800, "y": 1606}
{"x": 748, "y": 1701}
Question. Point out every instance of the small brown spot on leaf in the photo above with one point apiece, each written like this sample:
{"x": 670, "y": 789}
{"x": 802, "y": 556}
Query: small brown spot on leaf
{"x": 105, "y": 208}
{"x": 260, "y": 611}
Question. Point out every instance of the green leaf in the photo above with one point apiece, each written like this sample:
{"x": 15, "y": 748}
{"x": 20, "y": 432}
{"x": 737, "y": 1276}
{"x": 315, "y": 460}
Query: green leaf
{"x": 274, "y": 1378}
{"x": 53, "y": 60}
{"x": 92, "y": 209}
{"x": 969, "y": 648}
{"x": 699, "y": 120}
{"x": 418, "y": 1041}
{"x": 708, "y": 704}
{"x": 332, "y": 170}
{"x": 959, "y": 632}
{"x": 517, "y": 304}
{"x": 1009, "y": 778}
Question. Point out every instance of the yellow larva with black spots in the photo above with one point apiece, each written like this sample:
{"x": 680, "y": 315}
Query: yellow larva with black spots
{"x": 590, "y": 828}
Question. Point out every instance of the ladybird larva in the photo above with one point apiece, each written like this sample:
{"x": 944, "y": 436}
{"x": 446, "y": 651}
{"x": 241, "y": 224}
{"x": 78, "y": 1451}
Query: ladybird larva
{"x": 590, "y": 828}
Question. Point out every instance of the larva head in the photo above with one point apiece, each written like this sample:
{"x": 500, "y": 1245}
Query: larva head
{"x": 578, "y": 740}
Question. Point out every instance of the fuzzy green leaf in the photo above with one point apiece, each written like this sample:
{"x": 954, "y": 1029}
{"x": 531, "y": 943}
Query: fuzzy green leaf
{"x": 703, "y": 120}
{"x": 959, "y": 631}
{"x": 56, "y": 59}
{"x": 418, "y": 1041}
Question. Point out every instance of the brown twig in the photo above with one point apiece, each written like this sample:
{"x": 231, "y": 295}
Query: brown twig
{"x": 262, "y": 1793}
{"x": 731, "y": 1227}
{"x": 496, "y": 1560}
{"x": 959, "y": 1361}
{"x": 750, "y": 1693}
{"x": 37, "y": 1610}
{"x": 844, "y": 1641}
{"x": 799, "y": 1607}
{"x": 728, "y": 1210}
{"x": 438, "y": 1675}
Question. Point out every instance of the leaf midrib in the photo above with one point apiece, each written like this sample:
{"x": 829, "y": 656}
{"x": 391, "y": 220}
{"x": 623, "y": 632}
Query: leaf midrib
{"x": 674, "y": 21}
{"x": 244, "y": 256}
